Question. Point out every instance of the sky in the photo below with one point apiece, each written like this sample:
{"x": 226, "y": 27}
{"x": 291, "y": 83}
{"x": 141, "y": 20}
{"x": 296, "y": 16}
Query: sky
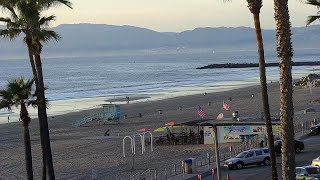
{"x": 175, "y": 15}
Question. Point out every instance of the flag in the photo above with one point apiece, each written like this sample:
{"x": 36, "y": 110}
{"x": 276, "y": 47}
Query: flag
{"x": 226, "y": 106}
{"x": 201, "y": 112}
{"x": 220, "y": 116}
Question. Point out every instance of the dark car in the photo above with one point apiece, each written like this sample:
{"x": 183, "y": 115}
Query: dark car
{"x": 298, "y": 146}
{"x": 314, "y": 130}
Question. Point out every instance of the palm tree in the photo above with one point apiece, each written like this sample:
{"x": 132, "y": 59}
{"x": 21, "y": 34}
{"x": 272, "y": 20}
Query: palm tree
{"x": 315, "y": 17}
{"x": 19, "y": 93}
{"x": 254, "y": 7}
{"x": 25, "y": 18}
{"x": 285, "y": 53}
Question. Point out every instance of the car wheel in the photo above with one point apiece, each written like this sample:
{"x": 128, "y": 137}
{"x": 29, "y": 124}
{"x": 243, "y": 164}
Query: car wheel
{"x": 239, "y": 165}
{"x": 266, "y": 162}
{"x": 298, "y": 150}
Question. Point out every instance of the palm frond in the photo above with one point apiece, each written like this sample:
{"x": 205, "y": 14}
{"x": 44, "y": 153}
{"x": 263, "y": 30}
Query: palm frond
{"x": 5, "y": 104}
{"x": 47, "y": 35}
{"x": 28, "y": 12}
{"x": 5, "y": 20}
{"x": 6, "y": 100}
{"x": 46, "y": 4}
{"x": 311, "y": 19}
{"x": 34, "y": 103}
{"x": 10, "y": 34}
{"x": 44, "y": 21}
{"x": 9, "y": 6}
{"x": 313, "y": 2}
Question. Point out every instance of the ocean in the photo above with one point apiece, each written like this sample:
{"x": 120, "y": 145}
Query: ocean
{"x": 77, "y": 82}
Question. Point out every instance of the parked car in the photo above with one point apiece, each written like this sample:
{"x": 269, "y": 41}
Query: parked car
{"x": 298, "y": 146}
{"x": 316, "y": 162}
{"x": 314, "y": 130}
{"x": 249, "y": 157}
{"x": 307, "y": 172}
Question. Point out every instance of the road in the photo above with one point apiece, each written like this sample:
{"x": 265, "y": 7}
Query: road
{"x": 311, "y": 151}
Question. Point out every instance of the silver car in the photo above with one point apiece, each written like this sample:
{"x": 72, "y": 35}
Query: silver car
{"x": 249, "y": 157}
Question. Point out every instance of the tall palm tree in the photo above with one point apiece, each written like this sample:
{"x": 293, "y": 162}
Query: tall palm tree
{"x": 254, "y": 7}
{"x": 314, "y": 17}
{"x": 25, "y": 18}
{"x": 285, "y": 53}
{"x": 19, "y": 93}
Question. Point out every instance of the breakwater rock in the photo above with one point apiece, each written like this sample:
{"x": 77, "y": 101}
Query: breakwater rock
{"x": 248, "y": 65}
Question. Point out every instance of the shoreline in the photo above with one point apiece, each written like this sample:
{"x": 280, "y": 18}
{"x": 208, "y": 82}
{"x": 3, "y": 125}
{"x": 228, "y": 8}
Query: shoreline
{"x": 62, "y": 107}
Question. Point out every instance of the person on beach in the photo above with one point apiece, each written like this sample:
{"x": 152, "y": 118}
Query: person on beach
{"x": 128, "y": 99}
{"x": 261, "y": 143}
{"x": 107, "y": 133}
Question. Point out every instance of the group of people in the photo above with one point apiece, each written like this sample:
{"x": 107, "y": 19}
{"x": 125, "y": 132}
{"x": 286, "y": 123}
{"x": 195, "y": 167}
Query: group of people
{"x": 127, "y": 99}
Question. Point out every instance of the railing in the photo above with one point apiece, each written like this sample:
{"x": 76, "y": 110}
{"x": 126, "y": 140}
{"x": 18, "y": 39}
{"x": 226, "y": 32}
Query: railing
{"x": 303, "y": 128}
{"x": 206, "y": 161}
{"x": 147, "y": 174}
{"x": 87, "y": 119}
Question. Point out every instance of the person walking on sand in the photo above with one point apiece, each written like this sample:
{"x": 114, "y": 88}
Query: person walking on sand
{"x": 127, "y": 97}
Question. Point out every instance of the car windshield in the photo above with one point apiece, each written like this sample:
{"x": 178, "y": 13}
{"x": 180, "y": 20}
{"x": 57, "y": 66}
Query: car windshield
{"x": 242, "y": 155}
{"x": 312, "y": 170}
{"x": 266, "y": 151}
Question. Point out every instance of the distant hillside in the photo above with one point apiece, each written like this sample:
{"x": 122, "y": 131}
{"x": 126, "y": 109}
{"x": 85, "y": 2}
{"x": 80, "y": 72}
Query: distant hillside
{"x": 102, "y": 38}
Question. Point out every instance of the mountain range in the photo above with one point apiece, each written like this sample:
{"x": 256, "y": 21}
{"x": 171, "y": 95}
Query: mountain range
{"x": 82, "y": 38}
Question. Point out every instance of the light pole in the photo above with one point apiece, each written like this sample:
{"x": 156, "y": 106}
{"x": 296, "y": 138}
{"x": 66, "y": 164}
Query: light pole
{"x": 217, "y": 151}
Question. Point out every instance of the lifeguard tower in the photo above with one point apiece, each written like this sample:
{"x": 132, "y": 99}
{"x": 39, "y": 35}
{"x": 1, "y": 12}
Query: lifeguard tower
{"x": 109, "y": 113}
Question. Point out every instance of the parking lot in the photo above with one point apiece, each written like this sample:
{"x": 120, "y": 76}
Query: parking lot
{"x": 311, "y": 151}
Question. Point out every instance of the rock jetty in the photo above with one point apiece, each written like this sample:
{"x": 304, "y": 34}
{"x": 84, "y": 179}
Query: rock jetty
{"x": 248, "y": 65}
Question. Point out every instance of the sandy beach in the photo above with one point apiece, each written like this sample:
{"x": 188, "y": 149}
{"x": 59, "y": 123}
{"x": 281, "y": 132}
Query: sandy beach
{"x": 77, "y": 152}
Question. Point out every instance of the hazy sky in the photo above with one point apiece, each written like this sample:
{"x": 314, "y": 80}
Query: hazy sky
{"x": 175, "y": 15}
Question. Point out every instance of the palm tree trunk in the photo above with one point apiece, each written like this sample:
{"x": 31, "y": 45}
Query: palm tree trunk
{"x": 42, "y": 103}
{"x": 264, "y": 93}
{"x": 285, "y": 52}
{"x": 29, "y": 45}
{"x": 24, "y": 116}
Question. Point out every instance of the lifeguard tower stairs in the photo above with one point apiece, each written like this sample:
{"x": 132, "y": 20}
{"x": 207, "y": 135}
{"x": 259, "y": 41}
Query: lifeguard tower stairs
{"x": 109, "y": 113}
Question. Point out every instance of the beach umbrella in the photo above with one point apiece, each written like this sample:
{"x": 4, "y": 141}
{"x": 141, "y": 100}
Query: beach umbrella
{"x": 144, "y": 130}
{"x": 160, "y": 129}
{"x": 172, "y": 123}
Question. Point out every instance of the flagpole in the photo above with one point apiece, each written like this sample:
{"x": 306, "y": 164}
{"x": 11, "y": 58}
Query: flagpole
{"x": 223, "y": 106}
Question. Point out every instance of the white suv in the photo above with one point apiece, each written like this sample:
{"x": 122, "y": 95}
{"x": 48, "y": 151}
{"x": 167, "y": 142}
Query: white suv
{"x": 249, "y": 157}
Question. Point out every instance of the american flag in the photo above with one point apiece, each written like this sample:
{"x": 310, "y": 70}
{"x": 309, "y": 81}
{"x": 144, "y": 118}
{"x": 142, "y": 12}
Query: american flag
{"x": 201, "y": 112}
{"x": 226, "y": 106}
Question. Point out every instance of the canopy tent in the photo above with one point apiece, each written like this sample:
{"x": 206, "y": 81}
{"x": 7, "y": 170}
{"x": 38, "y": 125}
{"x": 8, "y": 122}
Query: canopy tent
{"x": 165, "y": 129}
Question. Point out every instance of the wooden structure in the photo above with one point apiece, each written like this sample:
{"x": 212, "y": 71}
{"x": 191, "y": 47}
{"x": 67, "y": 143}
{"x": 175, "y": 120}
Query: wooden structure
{"x": 110, "y": 112}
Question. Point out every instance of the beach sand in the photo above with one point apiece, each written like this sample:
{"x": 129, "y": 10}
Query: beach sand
{"x": 77, "y": 152}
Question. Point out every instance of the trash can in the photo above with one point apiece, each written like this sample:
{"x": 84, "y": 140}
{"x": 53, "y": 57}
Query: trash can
{"x": 189, "y": 165}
